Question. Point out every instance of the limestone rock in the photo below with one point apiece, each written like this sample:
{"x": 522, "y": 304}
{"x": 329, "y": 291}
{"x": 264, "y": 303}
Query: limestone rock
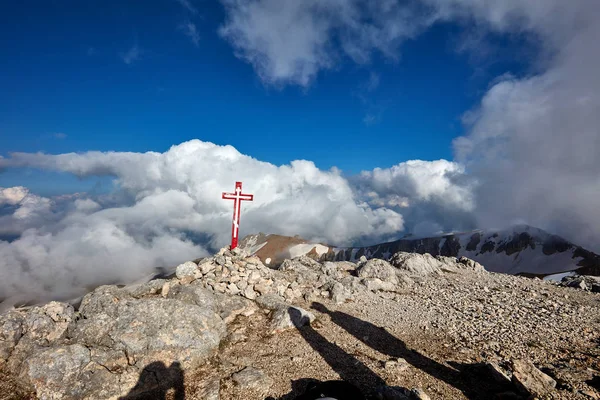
{"x": 419, "y": 394}
{"x": 252, "y": 379}
{"x": 210, "y": 390}
{"x": 530, "y": 379}
{"x": 378, "y": 269}
{"x": 416, "y": 264}
{"x": 187, "y": 269}
{"x": 152, "y": 287}
{"x": 229, "y": 307}
{"x": 11, "y": 331}
{"x": 471, "y": 264}
{"x": 376, "y": 284}
{"x": 271, "y": 301}
{"x": 56, "y": 371}
{"x": 193, "y": 294}
{"x": 339, "y": 294}
{"x": 152, "y": 329}
{"x": 290, "y": 317}
{"x": 249, "y": 293}
{"x": 206, "y": 266}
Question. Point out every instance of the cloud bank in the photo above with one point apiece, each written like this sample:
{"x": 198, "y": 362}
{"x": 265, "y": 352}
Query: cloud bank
{"x": 532, "y": 143}
{"x": 529, "y": 153}
{"x": 168, "y": 209}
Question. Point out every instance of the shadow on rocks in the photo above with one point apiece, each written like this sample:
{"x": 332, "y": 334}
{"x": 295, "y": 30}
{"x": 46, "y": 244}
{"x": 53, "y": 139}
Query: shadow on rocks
{"x": 156, "y": 379}
{"x": 472, "y": 381}
{"x": 312, "y": 389}
{"x": 348, "y": 367}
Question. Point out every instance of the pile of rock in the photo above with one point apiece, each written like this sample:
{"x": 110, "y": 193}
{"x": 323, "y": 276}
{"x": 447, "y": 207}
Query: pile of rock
{"x": 100, "y": 349}
{"x": 237, "y": 273}
{"x": 583, "y": 282}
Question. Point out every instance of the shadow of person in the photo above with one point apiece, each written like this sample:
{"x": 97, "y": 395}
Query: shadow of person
{"x": 382, "y": 341}
{"x": 156, "y": 380}
{"x": 348, "y": 367}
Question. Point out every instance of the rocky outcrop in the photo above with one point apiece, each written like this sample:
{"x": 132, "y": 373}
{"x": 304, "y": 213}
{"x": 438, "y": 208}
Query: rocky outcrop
{"x": 521, "y": 249}
{"x": 583, "y": 282}
{"x": 99, "y": 351}
{"x": 120, "y": 334}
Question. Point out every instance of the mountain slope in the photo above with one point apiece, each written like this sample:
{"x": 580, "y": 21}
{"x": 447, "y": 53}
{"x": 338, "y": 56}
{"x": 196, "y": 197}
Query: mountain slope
{"x": 519, "y": 250}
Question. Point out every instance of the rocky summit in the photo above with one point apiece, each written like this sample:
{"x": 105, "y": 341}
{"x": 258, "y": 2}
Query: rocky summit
{"x": 229, "y": 327}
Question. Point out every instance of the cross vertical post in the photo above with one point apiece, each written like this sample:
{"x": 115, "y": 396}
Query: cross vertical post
{"x": 237, "y": 198}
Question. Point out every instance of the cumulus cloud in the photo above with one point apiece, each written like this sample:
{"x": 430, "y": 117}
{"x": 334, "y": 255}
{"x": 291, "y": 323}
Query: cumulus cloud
{"x": 12, "y": 196}
{"x": 433, "y": 196}
{"x": 167, "y": 208}
{"x": 535, "y": 141}
{"x": 532, "y": 143}
{"x": 289, "y": 41}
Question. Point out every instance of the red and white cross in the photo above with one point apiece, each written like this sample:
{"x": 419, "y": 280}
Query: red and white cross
{"x": 237, "y": 198}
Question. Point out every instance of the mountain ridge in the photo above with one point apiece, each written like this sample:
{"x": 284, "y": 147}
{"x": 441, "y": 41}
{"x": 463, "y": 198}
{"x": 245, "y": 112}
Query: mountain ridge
{"x": 520, "y": 250}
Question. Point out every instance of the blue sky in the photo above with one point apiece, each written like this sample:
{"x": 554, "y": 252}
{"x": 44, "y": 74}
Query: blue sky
{"x": 376, "y": 88}
{"x": 66, "y": 87}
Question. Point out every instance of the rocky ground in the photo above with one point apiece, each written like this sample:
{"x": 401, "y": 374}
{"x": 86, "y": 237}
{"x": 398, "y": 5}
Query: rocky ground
{"x": 228, "y": 327}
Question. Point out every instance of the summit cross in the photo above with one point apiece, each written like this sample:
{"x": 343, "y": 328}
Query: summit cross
{"x": 237, "y": 198}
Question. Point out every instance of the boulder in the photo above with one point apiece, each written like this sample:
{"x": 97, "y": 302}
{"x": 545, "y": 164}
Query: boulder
{"x": 11, "y": 331}
{"x": 150, "y": 288}
{"x": 183, "y": 327}
{"x": 530, "y": 379}
{"x": 252, "y": 379}
{"x": 378, "y": 269}
{"x": 417, "y": 264}
{"x": 55, "y": 373}
{"x": 471, "y": 264}
{"x": 339, "y": 294}
{"x": 290, "y": 317}
{"x": 187, "y": 269}
{"x": 193, "y": 294}
{"x": 376, "y": 284}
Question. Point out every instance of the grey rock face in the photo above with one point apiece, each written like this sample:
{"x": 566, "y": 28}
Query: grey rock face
{"x": 379, "y": 269}
{"x": 530, "y": 379}
{"x": 211, "y": 390}
{"x": 290, "y": 317}
{"x": 162, "y": 329}
{"x": 583, "y": 282}
{"x": 188, "y": 268}
{"x": 11, "y": 331}
{"x": 115, "y": 336}
{"x": 193, "y": 294}
{"x": 339, "y": 294}
{"x": 252, "y": 379}
{"x": 416, "y": 264}
{"x": 50, "y": 370}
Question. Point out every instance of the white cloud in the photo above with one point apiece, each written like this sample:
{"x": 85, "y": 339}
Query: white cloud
{"x": 168, "y": 208}
{"x": 59, "y": 135}
{"x": 132, "y": 55}
{"x": 12, "y": 196}
{"x": 427, "y": 193}
{"x": 187, "y": 4}
{"x": 190, "y": 30}
{"x": 289, "y": 41}
{"x": 533, "y": 142}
